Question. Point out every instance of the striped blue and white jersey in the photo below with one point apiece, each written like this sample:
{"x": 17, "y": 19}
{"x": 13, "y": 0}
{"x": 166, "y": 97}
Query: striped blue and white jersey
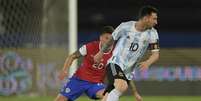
{"x": 131, "y": 46}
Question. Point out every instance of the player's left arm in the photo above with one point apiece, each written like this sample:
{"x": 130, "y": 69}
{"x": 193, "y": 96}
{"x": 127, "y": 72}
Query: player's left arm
{"x": 153, "y": 57}
{"x": 154, "y": 47}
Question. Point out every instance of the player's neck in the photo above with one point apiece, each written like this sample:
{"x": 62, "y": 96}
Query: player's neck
{"x": 139, "y": 26}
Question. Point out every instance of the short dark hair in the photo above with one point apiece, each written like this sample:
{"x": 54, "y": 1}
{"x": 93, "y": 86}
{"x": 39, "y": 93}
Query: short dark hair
{"x": 147, "y": 10}
{"x": 107, "y": 29}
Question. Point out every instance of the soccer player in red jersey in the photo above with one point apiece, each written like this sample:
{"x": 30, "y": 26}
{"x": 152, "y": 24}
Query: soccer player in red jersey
{"x": 89, "y": 76}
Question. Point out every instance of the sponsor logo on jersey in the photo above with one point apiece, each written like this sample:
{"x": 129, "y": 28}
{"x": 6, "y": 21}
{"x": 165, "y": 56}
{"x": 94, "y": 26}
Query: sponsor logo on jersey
{"x": 120, "y": 74}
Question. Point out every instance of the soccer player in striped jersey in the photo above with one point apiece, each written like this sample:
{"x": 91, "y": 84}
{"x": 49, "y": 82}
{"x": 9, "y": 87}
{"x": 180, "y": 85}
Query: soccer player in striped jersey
{"x": 132, "y": 40}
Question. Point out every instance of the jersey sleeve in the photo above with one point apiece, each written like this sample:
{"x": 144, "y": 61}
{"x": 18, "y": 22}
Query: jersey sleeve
{"x": 88, "y": 48}
{"x": 117, "y": 32}
{"x": 83, "y": 50}
{"x": 154, "y": 41}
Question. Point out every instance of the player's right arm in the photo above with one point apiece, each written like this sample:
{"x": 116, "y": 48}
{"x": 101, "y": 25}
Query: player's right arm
{"x": 104, "y": 48}
{"x": 68, "y": 62}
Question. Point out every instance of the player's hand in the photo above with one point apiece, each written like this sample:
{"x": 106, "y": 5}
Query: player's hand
{"x": 137, "y": 96}
{"x": 144, "y": 65}
{"x": 98, "y": 57}
{"x": 62, "y": 75}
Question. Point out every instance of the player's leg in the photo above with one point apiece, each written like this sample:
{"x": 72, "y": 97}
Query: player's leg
{"x": 110, "y": 82}
{"x": 71, "y": 90}
{"x": 61, "y": 98}
{"x": 119, "y": 81}
{"x": 104, "y": 97}
{"x": 96, "y": 90}
{"x": 99, "y": 94}
{"x": 120, "y": 87}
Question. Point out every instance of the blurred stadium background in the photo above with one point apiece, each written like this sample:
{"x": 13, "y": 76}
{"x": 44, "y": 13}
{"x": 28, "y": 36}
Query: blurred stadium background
{"x": 35, "y": 39}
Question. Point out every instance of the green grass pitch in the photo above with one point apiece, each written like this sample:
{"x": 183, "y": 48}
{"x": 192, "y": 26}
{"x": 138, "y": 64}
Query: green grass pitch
{"x": 124, "y": 98}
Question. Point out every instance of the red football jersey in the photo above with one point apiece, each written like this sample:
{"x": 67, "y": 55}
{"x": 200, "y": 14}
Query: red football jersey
{"x": 89, "y": 70}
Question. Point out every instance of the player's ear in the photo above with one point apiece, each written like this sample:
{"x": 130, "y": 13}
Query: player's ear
{"x": 146, "y": 18}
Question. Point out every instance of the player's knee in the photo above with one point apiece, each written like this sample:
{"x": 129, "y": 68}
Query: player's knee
{"x": 100, "y": 93}
{"x": 121, "y": 85}
{"x": 104, "y": 97}
{"x": 61, "y": 98}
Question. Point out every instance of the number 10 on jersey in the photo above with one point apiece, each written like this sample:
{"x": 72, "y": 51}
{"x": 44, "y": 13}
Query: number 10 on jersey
{"x": 133, "y": 46}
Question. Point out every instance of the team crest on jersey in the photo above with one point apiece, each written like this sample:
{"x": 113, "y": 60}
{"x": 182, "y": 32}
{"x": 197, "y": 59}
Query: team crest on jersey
{"x": 144, "y": 42}
{"x": 67, "y": 90}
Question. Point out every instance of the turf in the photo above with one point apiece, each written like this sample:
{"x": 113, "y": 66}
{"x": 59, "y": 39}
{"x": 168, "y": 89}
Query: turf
{"x": 124, "y": 98}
